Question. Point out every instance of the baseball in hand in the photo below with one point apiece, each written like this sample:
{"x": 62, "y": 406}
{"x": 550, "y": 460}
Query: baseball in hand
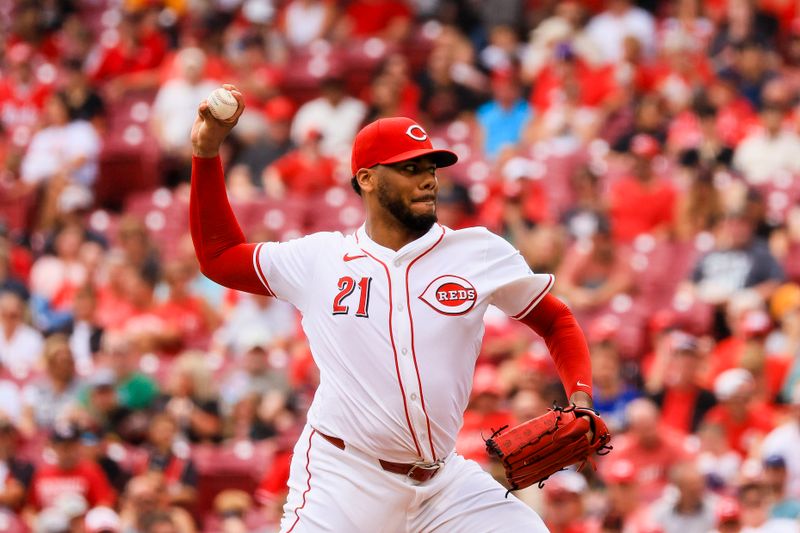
{"x": 222, "y": 104}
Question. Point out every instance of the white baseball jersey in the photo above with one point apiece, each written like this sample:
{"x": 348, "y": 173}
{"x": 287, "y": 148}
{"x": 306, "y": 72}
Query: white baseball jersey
{"x": 396, "y": 334}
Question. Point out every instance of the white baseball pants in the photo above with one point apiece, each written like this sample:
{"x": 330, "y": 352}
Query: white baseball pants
{"x": 347, "y": 491}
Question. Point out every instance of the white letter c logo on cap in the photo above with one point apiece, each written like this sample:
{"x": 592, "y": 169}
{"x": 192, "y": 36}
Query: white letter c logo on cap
{"x": 416, "y": 132}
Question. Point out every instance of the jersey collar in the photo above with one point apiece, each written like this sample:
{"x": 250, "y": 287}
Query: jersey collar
{"x": 409, "y": 251}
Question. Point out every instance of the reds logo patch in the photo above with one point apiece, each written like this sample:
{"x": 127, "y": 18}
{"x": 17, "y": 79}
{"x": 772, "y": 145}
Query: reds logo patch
{"x": 450, "y": 295}
{"x": 416, "y": 132}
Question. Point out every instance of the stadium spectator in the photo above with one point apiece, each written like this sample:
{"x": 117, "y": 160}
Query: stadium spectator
{"x": 173, "y": 462}
{"x": 20, "y": 344}
{"x": 55, "y": 278}
{"x": 85, "y": 333}
{"x": 690, "y": 507}
{"x": 630, "y": 194}
{"x": 194, "y": 319}
{"x": 783, "y": 506}
{"x": 17, "y": 471}
{"x": 739, "y": 260}
{"x": 716, "y": 460}
{"x": 146, "y": 508}
{"x": 608, "y": 29}
{"x": 625, "y": 507}
{"x": 82, "y": 100}
{"x": 135, "y": 390}
{"x": 305, "y": 21}
{"x": 255, "y": 319}
{"x": 504, "y": 118}
{"x": 334, "y": 114}
{"x": 611, "y": 393}
{"x": 69, "y": 473}
{"x": 564, "y": 509}
{"x": 594, "y": 270}
{"x": 386, "y": 19}
{"x": 303, "y": 171}
{"x": 744, "y": 422}
{"x": 781, "y": 442}
{"x": 754, "y": 499}
{"x": 191, "y": 399}
{"x": 173, "y": 113}
{"x": 674, "y": 383}
{"x": 652, "y": 449}
{"x": 102, "y": 520}
{"x": 52, "y": 396}
{"x": 768, "y": 152}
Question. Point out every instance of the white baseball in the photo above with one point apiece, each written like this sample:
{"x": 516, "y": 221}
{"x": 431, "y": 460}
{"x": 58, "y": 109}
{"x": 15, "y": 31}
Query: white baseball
{"x": 222, "y": 104}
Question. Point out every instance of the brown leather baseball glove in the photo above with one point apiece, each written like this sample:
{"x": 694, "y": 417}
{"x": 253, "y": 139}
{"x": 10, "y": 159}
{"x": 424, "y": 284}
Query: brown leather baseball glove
{"x": 534, "y": 450}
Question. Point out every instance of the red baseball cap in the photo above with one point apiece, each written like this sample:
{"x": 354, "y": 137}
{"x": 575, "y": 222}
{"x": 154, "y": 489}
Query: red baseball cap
{"x": 391, "y": 140}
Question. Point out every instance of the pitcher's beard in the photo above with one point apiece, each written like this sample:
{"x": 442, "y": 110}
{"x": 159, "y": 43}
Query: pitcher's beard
{"x": 400, "y": 211}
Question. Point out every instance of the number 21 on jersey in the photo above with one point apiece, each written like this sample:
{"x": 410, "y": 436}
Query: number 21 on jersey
{"x": 346, "y": 287}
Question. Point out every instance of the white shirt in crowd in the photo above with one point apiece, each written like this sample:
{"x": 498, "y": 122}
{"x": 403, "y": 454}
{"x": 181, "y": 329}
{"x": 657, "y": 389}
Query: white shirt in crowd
{"x": 337, "y": 124}
{"x": 608, "y": 32}
{"x": 175, "y": 109}
{"x": 305, "y": 22}
{"x": 761, "y": 157}
{"x": 57, "y": 149}
{"x": 20, "y": 353}
{"x": 783, "y": 441}
{"x": 396, "y": 334}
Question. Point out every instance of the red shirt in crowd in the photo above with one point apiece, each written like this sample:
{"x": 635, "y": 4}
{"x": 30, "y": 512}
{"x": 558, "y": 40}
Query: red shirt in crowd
{"x": 371, "y": 17}
{"x": 742, "y": 434}
{"x": 595, "y": 85}
{"x": 87, "y": 479}
{"x": 304, "y": 175}
{"x": 652, "y": 464}
{"x": 124, "y": 59}
{"x": 21, "y": 107}
{"x": 638, "y": 208}
{"x": 477, "y": 427}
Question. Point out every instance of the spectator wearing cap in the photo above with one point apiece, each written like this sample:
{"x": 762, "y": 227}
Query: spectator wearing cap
{"x": 768, "y": 153}
{"x": 775, "y": 479}
{"x": 194, "y": 318}
{"x": 175, "y": 108}
{"x": 690, "y": 508}
{"x": 51, "y": 396}
{"x": 20, "y": 344}
{"x": 102, "y": 520}
{"x": 641, "y": 202}
{"x": 673, "y": 383}
{"x": 175, "y": 463}
{"x": 504, "y": 118}
{"x": 739, "y": 260}
{"x": 18, "y": 472}
{"x": 782, "y": 442}
{"x": 785, "y": 310}
{"x": 69, "y": 472}
{"x": 302, "y": 172}
{"x": 650, "y": 447}
{"x": 334, "y": 114}
{"x": 594, "y": 270}
{"x": 750, "y": 70}
{"x": 564, "y": 511}
{"x": 745, "y": 422}
{"x": 625, "y": 508}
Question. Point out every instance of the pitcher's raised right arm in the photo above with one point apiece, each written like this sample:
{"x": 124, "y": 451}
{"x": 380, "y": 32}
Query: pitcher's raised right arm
{"x": 223, "y": 253}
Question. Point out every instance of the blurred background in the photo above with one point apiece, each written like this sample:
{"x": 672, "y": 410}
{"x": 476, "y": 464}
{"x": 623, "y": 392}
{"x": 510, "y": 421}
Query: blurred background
{"x": 647, "y": 153}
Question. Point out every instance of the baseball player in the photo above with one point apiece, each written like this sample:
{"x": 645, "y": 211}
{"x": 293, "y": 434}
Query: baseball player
{"x": 394, "y": 317}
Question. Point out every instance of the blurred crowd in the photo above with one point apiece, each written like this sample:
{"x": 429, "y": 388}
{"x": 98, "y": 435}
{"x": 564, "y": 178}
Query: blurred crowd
{"x": 644, "y": 152}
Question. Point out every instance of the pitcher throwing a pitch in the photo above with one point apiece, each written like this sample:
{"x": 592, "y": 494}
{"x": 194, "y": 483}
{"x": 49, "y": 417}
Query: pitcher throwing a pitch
{"x": 394, "y": 316}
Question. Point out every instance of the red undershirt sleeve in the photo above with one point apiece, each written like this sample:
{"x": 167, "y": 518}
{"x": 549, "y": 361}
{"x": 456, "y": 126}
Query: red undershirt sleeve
{"x": 219, "y": 243}
{"x": 553, "y": 320}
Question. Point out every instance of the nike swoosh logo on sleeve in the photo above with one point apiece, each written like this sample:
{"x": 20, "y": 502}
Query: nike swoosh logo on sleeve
{"x": 348, "y": 257}
{"x": 581, "y": 384}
